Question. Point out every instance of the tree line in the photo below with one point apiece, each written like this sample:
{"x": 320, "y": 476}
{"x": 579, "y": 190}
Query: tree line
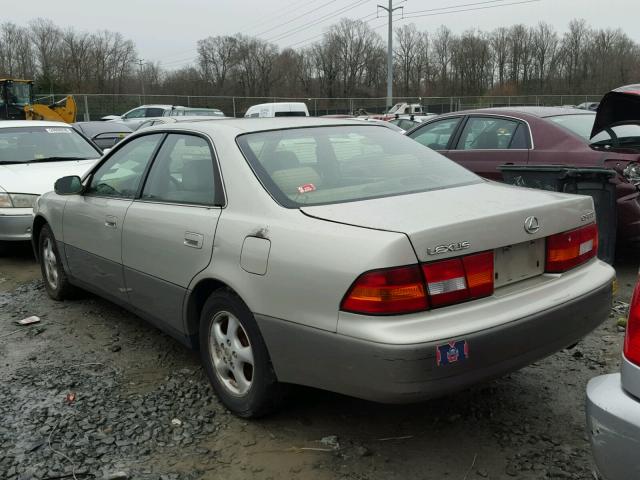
{"x": 348, "y": 61}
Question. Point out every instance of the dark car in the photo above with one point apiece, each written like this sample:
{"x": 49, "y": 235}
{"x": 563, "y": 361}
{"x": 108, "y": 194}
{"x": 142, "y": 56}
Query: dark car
{"x": 103, "y": 134}
{"x": 482, "y": 140}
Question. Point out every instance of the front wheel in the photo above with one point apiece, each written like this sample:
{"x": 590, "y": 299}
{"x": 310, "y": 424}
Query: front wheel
{"x": 236, "y": 358}
{"x": 55, "y": 279}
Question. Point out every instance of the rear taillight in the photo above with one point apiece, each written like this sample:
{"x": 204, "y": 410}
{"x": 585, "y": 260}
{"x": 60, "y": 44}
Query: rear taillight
{"x": 408, "y": 289}
{"x": 459, "y": 279}
{"x": 386, "y": 292}
{"x": 569, "y": 249}
{"x": 632, "y": 337}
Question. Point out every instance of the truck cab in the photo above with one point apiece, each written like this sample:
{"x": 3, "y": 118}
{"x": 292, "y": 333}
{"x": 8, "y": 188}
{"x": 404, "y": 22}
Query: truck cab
{"x": 15, "y": 95}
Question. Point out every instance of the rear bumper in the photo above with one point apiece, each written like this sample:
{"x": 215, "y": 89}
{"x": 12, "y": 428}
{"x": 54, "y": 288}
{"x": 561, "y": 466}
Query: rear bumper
{"x": 15, "y": 227}
{"x": 393, "y": 373}
{"x": 613, "y": 424}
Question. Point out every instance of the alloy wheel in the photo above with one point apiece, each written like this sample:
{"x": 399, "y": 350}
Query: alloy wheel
{"x": 231, "y": 352}
{"x": 50, "y": 263}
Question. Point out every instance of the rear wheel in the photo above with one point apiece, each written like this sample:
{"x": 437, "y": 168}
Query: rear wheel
{"x": 55, "y": 279}
{"x": 236, "y": 358}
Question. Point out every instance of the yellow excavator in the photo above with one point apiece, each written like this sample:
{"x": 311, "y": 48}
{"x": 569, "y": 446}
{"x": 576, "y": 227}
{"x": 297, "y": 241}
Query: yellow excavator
{"x": 17, "y": 103}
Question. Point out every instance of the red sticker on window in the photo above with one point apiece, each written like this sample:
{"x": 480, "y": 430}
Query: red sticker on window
{"x": 307, "y": 187}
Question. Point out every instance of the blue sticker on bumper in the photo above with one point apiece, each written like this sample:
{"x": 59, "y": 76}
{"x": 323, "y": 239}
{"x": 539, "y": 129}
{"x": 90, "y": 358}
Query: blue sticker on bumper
{"x": 452, "y": 352}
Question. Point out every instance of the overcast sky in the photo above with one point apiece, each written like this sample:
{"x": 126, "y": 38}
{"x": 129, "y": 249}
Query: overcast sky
{"x": 167, "y": 30}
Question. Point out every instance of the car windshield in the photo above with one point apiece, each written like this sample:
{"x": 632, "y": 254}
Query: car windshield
{"x": 37, "y": 143}
{"x": 581, "y": 124}
{"x": 323, "y": 165}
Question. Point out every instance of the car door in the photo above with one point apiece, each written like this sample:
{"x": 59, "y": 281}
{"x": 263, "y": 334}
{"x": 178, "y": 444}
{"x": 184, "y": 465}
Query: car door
{"x": 92, "y": 222}
{"x": 437, "y": 135}
{"x": 486, "y": 142}
{"x": 169, "y": 230}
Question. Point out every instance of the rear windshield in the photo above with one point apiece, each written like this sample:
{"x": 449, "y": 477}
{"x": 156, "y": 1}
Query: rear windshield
{"x": 35, "y": 144}
{"x": 578, "y": 124}
{"x": 322, "y": 165}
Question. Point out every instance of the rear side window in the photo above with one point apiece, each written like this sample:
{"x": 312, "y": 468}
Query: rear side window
{"x": 322, "y": 165}
{"x": 154, "y": 112}
{"x": 182, "y": 172}
{"x": 436, "y": 135}
{"x": 488, "y": 133}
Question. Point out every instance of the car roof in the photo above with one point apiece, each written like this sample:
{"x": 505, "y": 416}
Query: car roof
{"x": 540, "y": 112}
{"x": 238, "y": 126}
{"x": 31, "y": 123}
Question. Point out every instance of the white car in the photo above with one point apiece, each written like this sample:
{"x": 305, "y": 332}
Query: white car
{"x": 33, "y": 155}
{"x": 136, "y": 116}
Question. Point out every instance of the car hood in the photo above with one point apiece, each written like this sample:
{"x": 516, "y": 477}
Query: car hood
{"x": 486, "y": 215}
{"x": 619, "y": 105}
{"x": 38, "y": 178}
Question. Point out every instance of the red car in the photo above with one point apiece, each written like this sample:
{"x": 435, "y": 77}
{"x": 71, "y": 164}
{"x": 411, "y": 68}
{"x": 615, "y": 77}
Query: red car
{"x": 484, "y": 139}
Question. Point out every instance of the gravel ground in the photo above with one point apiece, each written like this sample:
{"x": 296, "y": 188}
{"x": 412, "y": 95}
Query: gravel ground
{"x": 95, "y": 392}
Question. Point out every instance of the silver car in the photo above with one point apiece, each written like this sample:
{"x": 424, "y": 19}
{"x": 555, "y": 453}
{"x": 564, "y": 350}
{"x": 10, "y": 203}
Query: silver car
{"x": 613, "y": 409}
{"x": 329, "y": 253}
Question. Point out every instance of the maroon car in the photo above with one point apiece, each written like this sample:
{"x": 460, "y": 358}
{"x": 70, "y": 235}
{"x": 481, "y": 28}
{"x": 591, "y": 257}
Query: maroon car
{"x": 484, "y": 139}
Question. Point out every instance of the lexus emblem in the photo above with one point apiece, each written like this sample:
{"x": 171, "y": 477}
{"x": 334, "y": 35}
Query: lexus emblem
{"x": 531, "y": 225}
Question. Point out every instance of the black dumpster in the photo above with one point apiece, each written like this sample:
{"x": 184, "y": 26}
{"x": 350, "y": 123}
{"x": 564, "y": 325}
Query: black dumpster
{"x": 582, "y": 181}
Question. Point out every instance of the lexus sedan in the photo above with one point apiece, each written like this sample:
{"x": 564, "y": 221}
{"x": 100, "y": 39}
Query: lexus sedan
{"x": 330, "y": 253}
{"x": 613, "y": 408}
{"x": 482, "y": 140}
{"x": 33, "y": 155}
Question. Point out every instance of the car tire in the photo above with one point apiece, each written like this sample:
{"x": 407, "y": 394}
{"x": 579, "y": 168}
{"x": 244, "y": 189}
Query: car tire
{"x": 236, "y": 358}
{"x": 55, "y": 279}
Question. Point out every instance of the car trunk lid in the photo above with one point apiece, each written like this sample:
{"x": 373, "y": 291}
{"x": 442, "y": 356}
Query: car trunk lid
{"x": 619, "y": 105}
{"x": 474, "y": 218}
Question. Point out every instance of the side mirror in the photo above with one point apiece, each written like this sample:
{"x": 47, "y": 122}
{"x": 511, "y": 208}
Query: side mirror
{"x": 105, "y": 151}
{"x": 71, "y": 185}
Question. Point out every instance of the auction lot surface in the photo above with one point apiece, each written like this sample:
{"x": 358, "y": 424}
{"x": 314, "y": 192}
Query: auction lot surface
{"x": 143, "y": 408}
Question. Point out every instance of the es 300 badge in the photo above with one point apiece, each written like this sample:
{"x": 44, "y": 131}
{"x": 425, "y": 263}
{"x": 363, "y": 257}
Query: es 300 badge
{"x": 452, "y": 352}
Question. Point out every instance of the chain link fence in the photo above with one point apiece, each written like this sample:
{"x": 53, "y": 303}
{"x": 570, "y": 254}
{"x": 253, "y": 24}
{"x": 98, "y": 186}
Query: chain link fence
{"x": 96, "y": 106}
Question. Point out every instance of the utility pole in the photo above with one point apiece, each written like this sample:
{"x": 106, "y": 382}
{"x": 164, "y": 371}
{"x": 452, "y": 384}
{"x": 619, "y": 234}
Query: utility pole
{"x": 141, "y": 64}
{"x": 390, "y": 9}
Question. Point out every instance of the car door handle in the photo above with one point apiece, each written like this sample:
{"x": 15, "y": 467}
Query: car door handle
{"x": 110, "y": 221}
{"x": 193, "y": 240}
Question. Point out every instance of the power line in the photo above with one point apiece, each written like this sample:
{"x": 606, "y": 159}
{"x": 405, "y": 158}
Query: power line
{"x": 277, "y": 14}
{"x": 295, "y": 30}
{"x": 296, "y": 18}
{"x": 455, "y": 6}
{"x": 408, "y": 16}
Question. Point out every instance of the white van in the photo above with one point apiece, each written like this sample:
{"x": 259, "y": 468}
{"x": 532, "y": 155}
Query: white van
{"x": 266, "y": 110}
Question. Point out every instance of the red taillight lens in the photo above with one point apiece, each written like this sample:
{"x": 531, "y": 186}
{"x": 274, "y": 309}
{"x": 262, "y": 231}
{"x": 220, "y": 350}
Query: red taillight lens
{"x": 446, "y": 282}
{"x": 479, "y": 270}
{"x": 570, "y": 249}
{"x": 459, "y": 279}
{"x": 387, "y": 292}
{"x": 632, "y": 337}
{"x": 401, "y": 290}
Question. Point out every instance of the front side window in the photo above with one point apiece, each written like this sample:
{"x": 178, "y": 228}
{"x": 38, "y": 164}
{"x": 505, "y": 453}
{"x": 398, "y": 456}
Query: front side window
{"x": 489, "y": 133}
{"x": 436, "y": 135}
{"x": 119, "y": 176}
{"x": 31, "y": 144}
{"x": 182, "y": 172}
{"x": 322, "y": 165}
